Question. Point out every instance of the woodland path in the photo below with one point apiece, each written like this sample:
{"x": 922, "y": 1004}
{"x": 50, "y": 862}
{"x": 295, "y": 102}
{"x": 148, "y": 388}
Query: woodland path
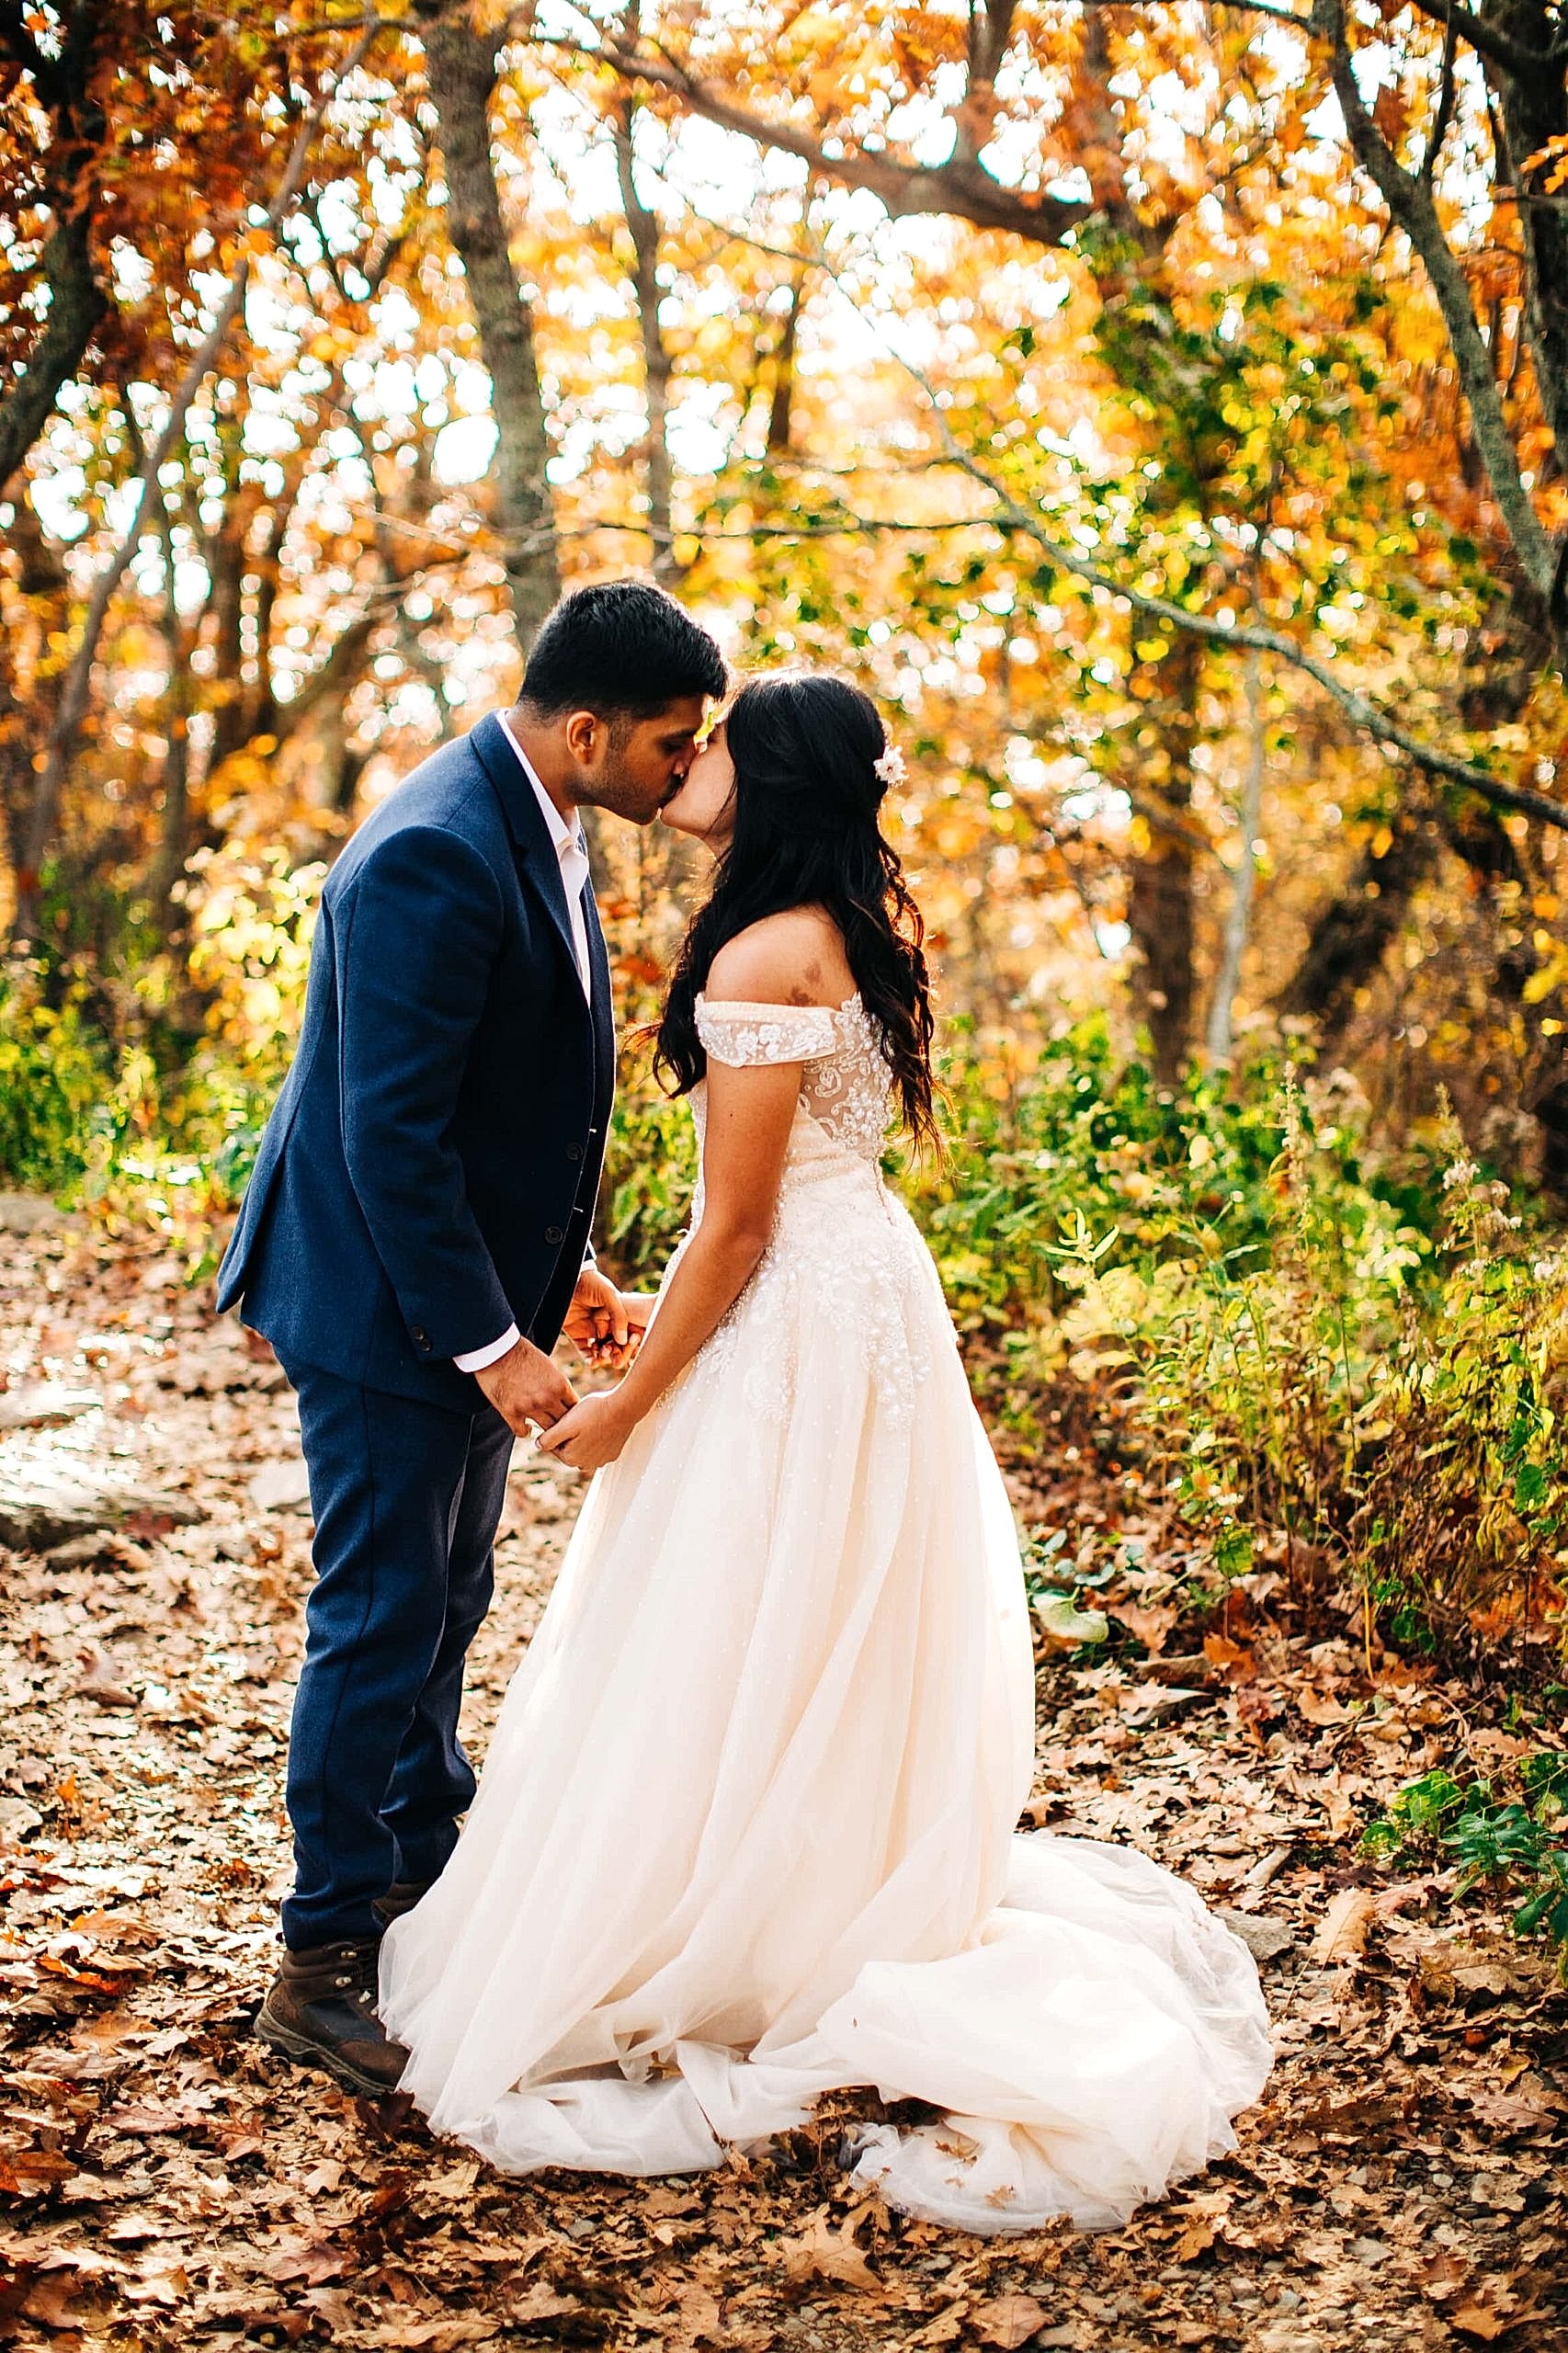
{"x": 167, "y": 2183}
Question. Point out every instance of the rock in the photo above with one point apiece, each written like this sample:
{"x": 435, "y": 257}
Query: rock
{"x": 1264, "y": 1938}
{"x": 82, "y": 1552}
{"x": 38, "y": 1404}
{"x": 281, "y": 1486}
{"x": 46, "y": 1511}
{"x": 18, "y": 1819}
{"x": 33, "y": 1213}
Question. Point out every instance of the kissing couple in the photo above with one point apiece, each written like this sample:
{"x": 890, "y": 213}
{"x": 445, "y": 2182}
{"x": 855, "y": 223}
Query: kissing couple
{"x": 745, "y": 1828}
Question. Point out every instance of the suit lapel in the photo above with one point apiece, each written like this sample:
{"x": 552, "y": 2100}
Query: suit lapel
{"x": 602, "y": 1004}
{"x": 525, "y": 821}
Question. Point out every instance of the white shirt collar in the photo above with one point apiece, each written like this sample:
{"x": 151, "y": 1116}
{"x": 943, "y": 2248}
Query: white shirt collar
{"x": 562, "y": 837}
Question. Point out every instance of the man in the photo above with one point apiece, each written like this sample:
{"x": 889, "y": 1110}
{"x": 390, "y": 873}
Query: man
{"x": 416, "y": 1237}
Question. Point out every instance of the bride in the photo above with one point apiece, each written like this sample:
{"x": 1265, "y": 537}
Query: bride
{"x": 746, "y": 1830}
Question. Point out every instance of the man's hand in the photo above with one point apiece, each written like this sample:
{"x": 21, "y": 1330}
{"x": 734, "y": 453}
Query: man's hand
{"x": 591, "y": 1435}
{"x": 596, "y": 1322}
{"x": 527, "y": 1390}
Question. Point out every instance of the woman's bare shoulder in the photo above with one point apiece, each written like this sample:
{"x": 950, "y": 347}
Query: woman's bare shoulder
{"x": 793, "y": 958}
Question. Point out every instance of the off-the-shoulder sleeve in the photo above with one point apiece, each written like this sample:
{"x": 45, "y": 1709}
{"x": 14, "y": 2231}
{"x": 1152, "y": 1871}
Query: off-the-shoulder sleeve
{"x": 743, "y": 1034}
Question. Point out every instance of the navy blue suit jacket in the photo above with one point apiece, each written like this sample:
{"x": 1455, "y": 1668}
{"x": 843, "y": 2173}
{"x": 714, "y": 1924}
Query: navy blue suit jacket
{"x": 428, "y": 1173}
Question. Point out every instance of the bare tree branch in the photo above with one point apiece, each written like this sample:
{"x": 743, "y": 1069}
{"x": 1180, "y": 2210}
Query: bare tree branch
{"x": 73, "y": 697}
{"x": 1412, "y": 209}
{"x": 1439, "y": 131}
{"x": 964, "y": 192}
{"x": 1489, "y": 41}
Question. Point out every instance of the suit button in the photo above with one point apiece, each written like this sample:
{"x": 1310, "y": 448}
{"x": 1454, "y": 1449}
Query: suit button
{"x": 554, "y": 1234}
{"x": 421, "y": 1337}
{"x": 574, "y": 1152}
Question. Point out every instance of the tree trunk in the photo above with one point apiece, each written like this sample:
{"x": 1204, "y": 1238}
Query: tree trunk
{"x": 461, "y": 64}
{"x": 1351, "y": 936}
{"x": 76, "y": 302}
{"x": 1238, "y": 915}
{"x": 168, "y": 864}
{"x": 643, "y": 227}
{"x": 780, "y": 406}
{"x": 1159, "y": 906}
{"x": 1534, "y": 110}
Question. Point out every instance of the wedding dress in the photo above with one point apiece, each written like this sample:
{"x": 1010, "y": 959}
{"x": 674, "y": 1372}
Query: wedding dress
{"x": 744, "y": 1831}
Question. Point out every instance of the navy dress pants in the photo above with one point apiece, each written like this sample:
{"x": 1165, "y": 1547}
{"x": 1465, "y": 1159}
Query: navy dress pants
{"x": 408, "y": 1497}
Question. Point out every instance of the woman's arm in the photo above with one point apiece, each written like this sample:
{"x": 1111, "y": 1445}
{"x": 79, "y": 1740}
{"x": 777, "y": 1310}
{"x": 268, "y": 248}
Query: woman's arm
{"x": 750, "y": 1112}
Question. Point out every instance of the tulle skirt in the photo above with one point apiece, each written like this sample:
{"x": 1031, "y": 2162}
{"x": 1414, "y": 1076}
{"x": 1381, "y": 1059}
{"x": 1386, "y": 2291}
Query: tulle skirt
{"x": 744, "y": 1831}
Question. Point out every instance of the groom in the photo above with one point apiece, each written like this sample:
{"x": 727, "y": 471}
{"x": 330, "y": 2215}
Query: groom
{"x": 416, "y": 1237}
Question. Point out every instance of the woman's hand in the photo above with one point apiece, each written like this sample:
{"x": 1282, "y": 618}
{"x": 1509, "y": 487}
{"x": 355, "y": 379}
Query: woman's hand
{"x": 596, "y": 1322}
{"x": 591, "y": 1435}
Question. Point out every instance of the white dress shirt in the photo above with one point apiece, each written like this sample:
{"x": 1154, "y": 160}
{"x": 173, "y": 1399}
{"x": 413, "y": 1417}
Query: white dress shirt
{"x": 567, "y": 843}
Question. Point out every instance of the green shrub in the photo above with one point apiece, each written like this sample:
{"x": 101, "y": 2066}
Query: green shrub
{"x": 1387, "y": 1394}
{"x": 56, "y": 1082}
{"x": 1515, "y": 1844}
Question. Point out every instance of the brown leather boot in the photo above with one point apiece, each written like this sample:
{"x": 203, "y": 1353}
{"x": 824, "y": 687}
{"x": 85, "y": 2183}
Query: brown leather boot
{"x": 320, "y": 2009}
{"x": 401, "y": 1897}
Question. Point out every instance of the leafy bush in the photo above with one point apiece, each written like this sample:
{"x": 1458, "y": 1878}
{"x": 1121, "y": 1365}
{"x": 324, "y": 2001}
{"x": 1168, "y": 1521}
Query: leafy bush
{"x": 1517, "y": 1844}
{"x": 56, "y": 1081}
{"x": 1385, "y": 1393}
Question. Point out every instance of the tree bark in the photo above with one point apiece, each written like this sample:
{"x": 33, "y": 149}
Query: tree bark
{"x": 643, "y": 226}
{"x": 1159, "y": 904}
{"x": 77, "y": 301}
{"x": 1238, "y": 915}
{"x": 1351, "y": 936}
{"x": 461, "y": 64}
{"x": 1534, "y": 110}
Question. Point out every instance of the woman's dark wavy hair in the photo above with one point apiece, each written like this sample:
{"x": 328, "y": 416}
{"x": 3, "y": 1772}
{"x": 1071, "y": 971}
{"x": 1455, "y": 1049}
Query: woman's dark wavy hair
{"x": 806, "y": 798}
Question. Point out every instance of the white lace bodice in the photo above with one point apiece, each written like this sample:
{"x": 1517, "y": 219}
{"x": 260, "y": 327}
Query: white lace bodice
{"x": 844, "y": 1083}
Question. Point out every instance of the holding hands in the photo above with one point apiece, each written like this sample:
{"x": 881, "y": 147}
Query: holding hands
{"x": 606, "y": 1325}
{"x": 608, "y": 1328}
{"x": 529, "y": 1389}
{"x": 591, "y": 1435}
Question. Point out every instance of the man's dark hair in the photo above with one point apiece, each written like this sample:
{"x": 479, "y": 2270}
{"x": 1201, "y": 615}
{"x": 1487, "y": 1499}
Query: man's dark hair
{"x": 620, "y": 648}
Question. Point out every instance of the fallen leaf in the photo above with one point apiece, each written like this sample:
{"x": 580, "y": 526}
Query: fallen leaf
{"x": 52, "y": 2301}
{"x": 822, "y": 2253}
{"x": 1443, "y": 2277}
{"x": 310, "y": 2261}
{"x": 1196, "y": 2238}
{"x": 1237, "y": 1664}
{"x": 1148, "y": 1622}
{"x": 1319, "y": 1708}
{"x": 1478, "y": 2320}
{"x": 430, "y": 2335}
{"x": 1342, "y": 1932}
{"x": 25, "y": 2172}
{"x": 541, "y": 2303}
{"x": 1061, "y": 1623}
{"x": 167, "y": 2287}
{"x": 1009, "y": 2321}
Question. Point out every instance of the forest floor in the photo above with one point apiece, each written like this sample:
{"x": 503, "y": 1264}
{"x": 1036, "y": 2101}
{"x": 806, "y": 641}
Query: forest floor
{"x": 168, "y": 2182}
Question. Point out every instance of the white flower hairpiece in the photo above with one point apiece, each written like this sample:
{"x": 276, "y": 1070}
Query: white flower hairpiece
{"x": 890, "y": 767}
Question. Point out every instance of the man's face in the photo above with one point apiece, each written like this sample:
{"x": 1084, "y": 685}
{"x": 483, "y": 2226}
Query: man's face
{"x": 631, "y": 767}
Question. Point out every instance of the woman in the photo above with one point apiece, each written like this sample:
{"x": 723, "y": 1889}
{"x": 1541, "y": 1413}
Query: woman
{"x": 745, "y": 1832}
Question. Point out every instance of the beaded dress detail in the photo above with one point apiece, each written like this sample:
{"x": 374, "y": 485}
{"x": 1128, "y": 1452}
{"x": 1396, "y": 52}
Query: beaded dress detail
{"x": 746, "y": 1830}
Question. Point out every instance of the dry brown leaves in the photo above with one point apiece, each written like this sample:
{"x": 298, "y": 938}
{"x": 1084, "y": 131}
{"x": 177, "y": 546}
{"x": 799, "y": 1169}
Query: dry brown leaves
{"x": 167, "y": 2184}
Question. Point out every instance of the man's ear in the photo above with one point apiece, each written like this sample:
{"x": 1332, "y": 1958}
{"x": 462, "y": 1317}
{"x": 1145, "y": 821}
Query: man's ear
{"x": 584, "y": 734}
